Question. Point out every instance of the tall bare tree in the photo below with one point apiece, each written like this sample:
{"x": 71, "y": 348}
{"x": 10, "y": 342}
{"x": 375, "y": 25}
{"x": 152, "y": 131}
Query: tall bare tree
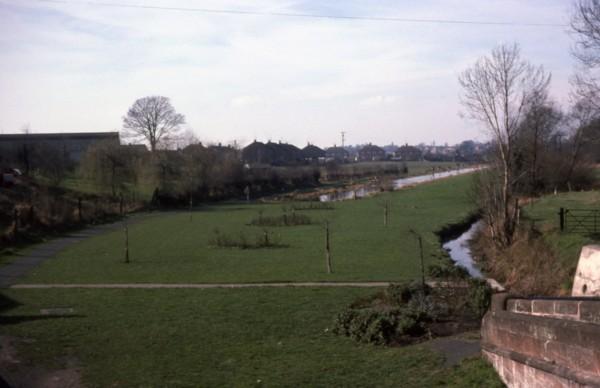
{"x": 496, "y": 92}
{"x": 152, "y": 119}
{"x": 541, "y": 123}
{"x": 585, "y": 23}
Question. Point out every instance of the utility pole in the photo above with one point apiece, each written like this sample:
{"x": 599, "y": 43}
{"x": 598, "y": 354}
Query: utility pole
{"x": 343, "y": 138}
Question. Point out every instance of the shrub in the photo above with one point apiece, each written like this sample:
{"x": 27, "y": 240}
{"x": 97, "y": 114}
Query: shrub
{"x": 377, "y": 326}
{"x": 406, "y": 312}
{"x": 263, "y": 240}
{"x": 480, "y": 296}
{"x": 402, "y": 293}
{"x": 447, "y": 271}
{"x": 313, "y": 205}
{"x": 286, "y": 219}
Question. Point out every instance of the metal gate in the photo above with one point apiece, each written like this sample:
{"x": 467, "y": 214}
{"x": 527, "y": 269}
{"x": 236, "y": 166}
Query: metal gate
{"x": 580, "y": 220}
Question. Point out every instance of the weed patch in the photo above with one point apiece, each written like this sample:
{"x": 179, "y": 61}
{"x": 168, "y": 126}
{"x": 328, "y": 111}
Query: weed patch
{"x": 266, "y": 239}
{"x": 313, "y": 205}
{"x": 285, "y": 219}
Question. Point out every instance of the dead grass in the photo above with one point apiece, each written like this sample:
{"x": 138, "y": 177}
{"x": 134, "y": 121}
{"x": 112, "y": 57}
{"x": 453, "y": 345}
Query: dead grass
{"x": 528, "y": 267}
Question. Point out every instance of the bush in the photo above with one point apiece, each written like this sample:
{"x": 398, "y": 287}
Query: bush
{"x": 263, "y": 240}
{"x": 313, "y": 205}
{"x": 379, "y": 327}
{"x": 402, "y": 293}
{"x": 447, "y": 271}
{"x": 286, "y": 219}
{"x": 480, "y": 296}
{"x": 406, "y": 312}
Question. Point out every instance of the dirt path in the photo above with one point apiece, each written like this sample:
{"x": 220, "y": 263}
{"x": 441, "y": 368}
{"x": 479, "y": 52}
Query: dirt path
{"x": 10, "y": 273}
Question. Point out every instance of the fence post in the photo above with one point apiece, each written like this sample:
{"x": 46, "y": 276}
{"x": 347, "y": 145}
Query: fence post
{"x": 31, "y": 215}
{"x": 561, "y": 214}
{"x": 121, "y": 204}
{"x": 422, "y": 263}
{"x": 126, "y": 243}
{"x": 327, "y": 248}
{"x": 15, "y": 223}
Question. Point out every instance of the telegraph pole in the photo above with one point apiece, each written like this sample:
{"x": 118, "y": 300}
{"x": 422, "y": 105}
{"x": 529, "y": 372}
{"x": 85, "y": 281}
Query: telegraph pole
{"x": 343, "y": 138}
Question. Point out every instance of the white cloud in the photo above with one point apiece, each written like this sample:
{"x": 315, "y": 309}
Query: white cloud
{"x": 69, "y": 67}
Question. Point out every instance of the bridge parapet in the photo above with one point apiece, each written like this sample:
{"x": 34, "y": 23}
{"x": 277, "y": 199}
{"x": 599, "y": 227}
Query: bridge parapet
{"x": 543, "y": 342}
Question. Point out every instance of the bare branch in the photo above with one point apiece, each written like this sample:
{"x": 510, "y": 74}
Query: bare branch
{"x": 152, "y": 119}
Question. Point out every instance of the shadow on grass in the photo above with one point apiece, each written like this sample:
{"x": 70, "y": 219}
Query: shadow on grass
{"x": 7, "y": 304}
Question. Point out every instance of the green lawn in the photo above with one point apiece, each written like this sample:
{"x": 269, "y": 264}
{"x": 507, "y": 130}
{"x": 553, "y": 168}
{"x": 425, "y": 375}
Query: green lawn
{"x": 240, "y": 337}
{"x": 545, "y": 214}
{"x": 170, "y": 248}
{"x": 221, "y": 338}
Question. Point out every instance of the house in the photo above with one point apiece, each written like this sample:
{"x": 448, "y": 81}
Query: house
{"x": 371, "y": 153}
{"x": 408, "y": 153}
{"x": 271, "y": 153}
{"x": 312, "y": 153}
{"x": 390, "y": 149}
{"x": 337, "y": 154}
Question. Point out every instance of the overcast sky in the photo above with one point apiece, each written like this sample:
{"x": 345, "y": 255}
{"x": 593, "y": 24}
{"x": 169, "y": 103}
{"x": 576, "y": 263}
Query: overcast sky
{"x": 79, "y": 67}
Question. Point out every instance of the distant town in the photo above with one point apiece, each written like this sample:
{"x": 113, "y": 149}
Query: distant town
{"x": 16, "y": 148}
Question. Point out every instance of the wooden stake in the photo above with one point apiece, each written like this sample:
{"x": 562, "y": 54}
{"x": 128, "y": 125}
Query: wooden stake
{"x": 15, "y": 223}
{"x": 121, "y": 204}
{"x": 126, "y": 243}
{"x": 422, "y": 263}
{"x": 385, "y": 213}
{"x": 327, "y": 248}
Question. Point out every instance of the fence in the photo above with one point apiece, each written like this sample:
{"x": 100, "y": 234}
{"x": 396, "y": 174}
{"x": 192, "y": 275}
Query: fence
{"x": 55, "y": 213}
{"x": 579, "y": 220}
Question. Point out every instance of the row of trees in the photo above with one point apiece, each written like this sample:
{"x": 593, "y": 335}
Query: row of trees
{"x": 538, "y": 146}
{"x": 193, "y": 173}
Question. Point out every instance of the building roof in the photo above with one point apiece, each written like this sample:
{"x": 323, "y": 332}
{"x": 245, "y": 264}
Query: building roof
{"x": 60, "y": 136}
{"x": 371, "y": 148}
{"x": 312, "y": 151}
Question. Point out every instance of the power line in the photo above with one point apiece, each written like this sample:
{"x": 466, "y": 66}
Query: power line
{"x": 303, "y": 15}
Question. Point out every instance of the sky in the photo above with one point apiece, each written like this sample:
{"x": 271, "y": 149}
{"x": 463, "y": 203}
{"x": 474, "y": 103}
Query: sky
{"x": 78, "y": 66}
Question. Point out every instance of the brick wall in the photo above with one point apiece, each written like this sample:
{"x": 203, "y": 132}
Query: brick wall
{"x": 543, "y": 342}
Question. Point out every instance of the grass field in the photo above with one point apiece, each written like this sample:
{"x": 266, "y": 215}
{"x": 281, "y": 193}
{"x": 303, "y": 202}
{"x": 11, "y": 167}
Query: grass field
{"x": 544, "y": 213}
{"x": 240, "y": 337}
{"x": 171, "y": 248}
{"x": 222, "y": 338}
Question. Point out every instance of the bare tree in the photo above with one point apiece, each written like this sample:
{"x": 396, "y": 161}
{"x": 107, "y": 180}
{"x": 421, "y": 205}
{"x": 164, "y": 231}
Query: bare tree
{"x": 585, "y": 23}
{"x": 153, "y": 119}
{"x": 110, "y": 165}
{"x": 540, "y": 125}
{"x": 496, "y": 92}
{"x": 582, "y": 118}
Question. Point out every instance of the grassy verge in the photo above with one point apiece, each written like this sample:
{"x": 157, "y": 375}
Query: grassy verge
{"x": 250, "y": 337}
{"x": 171, "y": 248}
{"x": 566, "y": 245}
